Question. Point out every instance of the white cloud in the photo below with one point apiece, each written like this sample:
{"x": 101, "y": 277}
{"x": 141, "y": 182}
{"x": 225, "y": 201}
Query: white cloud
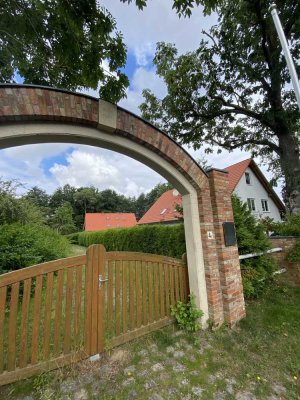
{"x": 104, "y": 169}
{"x": 158, "y": 22}
{"x": 85, "y": 169}
{"x": 144, "y": 53}
{"x": 142, "y": 78}
{"x": 24, "y": 163}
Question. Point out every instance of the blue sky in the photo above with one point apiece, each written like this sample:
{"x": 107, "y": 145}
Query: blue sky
{"x": 52, "y": 165}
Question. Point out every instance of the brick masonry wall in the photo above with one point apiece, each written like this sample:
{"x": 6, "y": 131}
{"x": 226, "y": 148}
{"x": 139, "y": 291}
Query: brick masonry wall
{"x": 292, "y": 274}
{"x": 228, "y": 256}
{"x": 222, "y": 270}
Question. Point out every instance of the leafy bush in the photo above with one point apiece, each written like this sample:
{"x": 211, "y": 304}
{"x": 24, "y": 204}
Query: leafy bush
{"x": 25, "y": 245}
{"x": 250, "y": 234}
{"x": 294, "y": 253}
{"x": 290, "y": 227}
{"x": 166, "y": 240}
{"x": 187, "y": 315}
{"x": 257, "y": 272}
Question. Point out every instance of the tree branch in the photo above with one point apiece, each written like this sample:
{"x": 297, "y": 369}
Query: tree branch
{"x": 239, "y": 143}
{"x": 241, "y": 110}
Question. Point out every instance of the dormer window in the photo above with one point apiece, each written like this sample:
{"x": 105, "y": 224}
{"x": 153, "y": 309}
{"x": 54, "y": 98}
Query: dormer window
{"x": 247, "y": 177}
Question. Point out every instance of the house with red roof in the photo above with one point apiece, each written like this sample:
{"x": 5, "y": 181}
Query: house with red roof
{"x": 246, "y": 181}
{"x": 102, "y": 221}
{"x": 164, "y": 210}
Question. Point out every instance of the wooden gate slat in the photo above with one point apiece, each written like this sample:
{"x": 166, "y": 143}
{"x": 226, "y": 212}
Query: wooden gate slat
{"x": 36, "y": 318}
{"x": 99, "y": 294}
{"x": 88, "y": 302}
{"x": 3, "y": 291}
{"x": 144, "y": 284}
{"x": 138, "y": 294}
{"x": 117, "y": 299}
{"x": 58, "y": 312}
{"x": 177, "y": 298}
{"x": 181, "y": 290}
{"x": 161, "y": 286}
{"x": 124, "y": 296}
{"x": 24, "y": 323}
{"x": 94, "y": 295}
{"x": 150, "y": 290}
{"x": 171, "y": 271}
{"x": 68, "y": 311}
{"x": 48, "y": 310}
{"x": 77, "y": 314}
{"x": 110, "y": 295}
{"x": 131, "y": 295}
{"x": 167, "y": 290}
{"x": 12, "y": 326}
{"x": 156, "y": 292}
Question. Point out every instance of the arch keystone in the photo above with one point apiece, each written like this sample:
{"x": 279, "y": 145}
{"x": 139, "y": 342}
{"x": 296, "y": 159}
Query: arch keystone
{"x": 107, "y": 118}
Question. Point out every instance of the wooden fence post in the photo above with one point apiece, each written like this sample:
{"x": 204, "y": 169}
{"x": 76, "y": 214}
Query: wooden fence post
{"x": 94, "y": 300}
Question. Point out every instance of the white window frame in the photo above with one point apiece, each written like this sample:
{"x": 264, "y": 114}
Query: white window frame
{"x": 265, "y": 205}
{"x": 251, "y": 204}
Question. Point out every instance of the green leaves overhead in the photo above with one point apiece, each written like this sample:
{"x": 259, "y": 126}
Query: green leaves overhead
{"x": 64, "y": 44}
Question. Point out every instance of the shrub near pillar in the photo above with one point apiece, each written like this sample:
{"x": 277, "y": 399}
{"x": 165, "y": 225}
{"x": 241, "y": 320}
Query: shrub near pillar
{"x": 228, "y": 257}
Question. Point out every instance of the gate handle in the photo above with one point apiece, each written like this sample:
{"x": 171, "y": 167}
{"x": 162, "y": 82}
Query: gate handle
{"x": 100, "y": 280}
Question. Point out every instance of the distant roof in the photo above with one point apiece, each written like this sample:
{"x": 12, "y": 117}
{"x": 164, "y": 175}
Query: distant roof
{"x": 164, "y": 209}
{"x": 101, "y": 221}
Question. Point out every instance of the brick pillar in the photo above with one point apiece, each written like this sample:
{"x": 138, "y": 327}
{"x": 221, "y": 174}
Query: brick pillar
{"x": 228, "y": 257}
{"x": 212, "y": 274}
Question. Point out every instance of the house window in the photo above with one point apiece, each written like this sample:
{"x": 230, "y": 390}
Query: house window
{"x": 265, "y": 205}
{"x": 163, "y": 211}
{"x": 251, "y": 204}
{"x": 247, "y": 176}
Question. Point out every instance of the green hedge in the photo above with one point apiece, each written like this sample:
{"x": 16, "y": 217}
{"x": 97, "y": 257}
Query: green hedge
{"x": 166, "y": 240}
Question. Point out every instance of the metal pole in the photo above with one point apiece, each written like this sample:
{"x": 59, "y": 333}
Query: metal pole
{"x": 286, "y": 51}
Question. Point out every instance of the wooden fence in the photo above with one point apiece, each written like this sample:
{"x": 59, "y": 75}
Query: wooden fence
{"x": 63, "y": 311}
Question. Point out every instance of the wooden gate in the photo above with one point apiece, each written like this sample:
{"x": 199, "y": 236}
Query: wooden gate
{"x": 63, "y": 311}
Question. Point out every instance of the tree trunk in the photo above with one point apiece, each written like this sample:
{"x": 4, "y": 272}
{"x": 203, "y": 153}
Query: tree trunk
{"x": 290, "y": 165}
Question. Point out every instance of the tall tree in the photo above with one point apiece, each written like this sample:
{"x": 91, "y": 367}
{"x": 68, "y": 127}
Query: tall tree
{"x": 63, "y": 43}
{"x": 62, "y": 220}
{"x": 38, "y": 196}
{"x": 234, "y": 91}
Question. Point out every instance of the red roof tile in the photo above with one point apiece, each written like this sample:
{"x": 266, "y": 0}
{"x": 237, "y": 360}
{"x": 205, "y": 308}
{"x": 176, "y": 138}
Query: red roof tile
{"x": 101, "y": 221}
{"x": 235, "y": 172}
{"x": 163, "y": 210}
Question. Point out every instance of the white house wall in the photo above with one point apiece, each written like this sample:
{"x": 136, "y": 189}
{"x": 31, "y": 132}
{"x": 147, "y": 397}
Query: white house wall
{"x": 256, "y": 191}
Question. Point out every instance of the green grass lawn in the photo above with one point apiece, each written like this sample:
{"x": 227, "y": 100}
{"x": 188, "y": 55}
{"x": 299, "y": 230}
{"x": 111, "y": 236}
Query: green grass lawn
{"x": 258, "y": 359}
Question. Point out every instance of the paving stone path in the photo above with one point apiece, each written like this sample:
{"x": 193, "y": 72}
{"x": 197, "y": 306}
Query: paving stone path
{"x": 177, "y": 371}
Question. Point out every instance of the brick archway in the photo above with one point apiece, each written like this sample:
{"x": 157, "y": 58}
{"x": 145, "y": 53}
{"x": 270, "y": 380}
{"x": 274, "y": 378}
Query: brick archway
{"x": 32, "y": 114}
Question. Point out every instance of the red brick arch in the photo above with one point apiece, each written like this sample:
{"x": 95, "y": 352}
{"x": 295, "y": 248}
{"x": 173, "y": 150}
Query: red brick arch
{"x": 32, "y": 114}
